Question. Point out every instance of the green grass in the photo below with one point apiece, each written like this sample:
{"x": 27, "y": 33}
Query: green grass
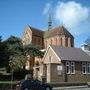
{"x": 6, "y": 77}
{"x": 3, "y": 71}
{"x": 8, "y": 82}
{"x": 6, "y": 85}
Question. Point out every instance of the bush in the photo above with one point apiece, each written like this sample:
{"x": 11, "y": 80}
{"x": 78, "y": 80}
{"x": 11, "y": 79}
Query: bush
{"x": 6, "y": 86}
{"x": 20, "y": 74}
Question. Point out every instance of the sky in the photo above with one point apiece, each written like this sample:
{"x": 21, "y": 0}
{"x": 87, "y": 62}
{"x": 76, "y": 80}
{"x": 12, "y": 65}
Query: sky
{"x": 15, "y": 15}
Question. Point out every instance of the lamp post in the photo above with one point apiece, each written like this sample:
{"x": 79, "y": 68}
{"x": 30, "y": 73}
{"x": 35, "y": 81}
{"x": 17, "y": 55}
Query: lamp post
{"x": 12, "y": 79}
{"x": 10, "y": 63}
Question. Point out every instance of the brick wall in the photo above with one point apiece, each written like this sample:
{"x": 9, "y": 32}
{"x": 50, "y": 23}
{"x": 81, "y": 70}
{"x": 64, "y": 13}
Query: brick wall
{"x": 78, "y": 76}
{"x": 38, "y": 41}
{"x": 59, "y": 40}
{"x": 55, "y": 77}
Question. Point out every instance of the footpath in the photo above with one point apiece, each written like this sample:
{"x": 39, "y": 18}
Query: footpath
{"x": 72, "y": 88}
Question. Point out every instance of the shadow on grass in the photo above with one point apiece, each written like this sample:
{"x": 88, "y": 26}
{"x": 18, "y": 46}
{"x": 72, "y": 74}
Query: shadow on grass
{"x": 7, "y": 86}
{"x": 5, "y": 77}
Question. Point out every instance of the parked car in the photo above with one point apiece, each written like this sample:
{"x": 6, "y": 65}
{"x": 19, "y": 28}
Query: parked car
{"x": 30, "y": 84}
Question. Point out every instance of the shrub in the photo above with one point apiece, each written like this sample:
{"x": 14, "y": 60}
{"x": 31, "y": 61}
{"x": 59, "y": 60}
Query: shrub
{"x": 20, "y": 74}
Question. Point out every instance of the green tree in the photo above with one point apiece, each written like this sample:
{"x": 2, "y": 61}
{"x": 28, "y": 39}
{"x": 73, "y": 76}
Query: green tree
{"x": 33, "y": 50}
{"x": 15, "y": 52}
{"x": 2, "y": 53}
{"x": 15, "y": 57}
{"x": 0, "y": 39}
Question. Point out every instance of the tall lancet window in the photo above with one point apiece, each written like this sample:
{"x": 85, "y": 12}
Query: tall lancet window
{"x": 66, "y": 41}
{"x": 51, "y": 41}
{"x": 56, "y": 41}
{"x": 61, "y": 42}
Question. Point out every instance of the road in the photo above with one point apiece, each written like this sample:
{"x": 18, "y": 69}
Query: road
{"x": 72, "y": 88}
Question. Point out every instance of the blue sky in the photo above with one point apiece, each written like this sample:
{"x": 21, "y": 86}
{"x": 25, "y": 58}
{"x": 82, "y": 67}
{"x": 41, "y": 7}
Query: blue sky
{"x": 74, "y": 15}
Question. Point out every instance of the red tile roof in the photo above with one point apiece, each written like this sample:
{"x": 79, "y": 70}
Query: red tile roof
{"x": 61, "y": 30}
{"x": 37, "y": 32}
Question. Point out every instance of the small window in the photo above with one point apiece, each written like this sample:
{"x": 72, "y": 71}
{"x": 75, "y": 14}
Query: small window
{"x": 59, "y": 69}
{"x": 84, "y": 68}
{"x": 72, "y": 67}
{"x": 88, "y": 68}
{"x": 68, "y": 67}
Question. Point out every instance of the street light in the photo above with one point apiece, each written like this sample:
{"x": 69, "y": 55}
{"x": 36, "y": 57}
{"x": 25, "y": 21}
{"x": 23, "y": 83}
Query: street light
{"x": 12, "y": 79}
{"x": 10, "y": 63}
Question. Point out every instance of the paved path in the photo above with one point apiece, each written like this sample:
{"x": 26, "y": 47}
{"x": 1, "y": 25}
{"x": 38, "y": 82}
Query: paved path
{"x": 72, "y": 88}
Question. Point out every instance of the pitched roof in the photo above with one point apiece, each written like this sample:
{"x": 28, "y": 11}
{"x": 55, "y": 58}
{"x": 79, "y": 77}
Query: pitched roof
{"x": 37, "y": 32}
{"x": 61, "y": 30}
{"x": 73, "y": 54}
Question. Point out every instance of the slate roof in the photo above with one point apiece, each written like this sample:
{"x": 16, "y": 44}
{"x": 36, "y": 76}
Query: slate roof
{"x": 37, "y": 32}
{"x": 72, "y": 54}
{"x": 61, "y": 30}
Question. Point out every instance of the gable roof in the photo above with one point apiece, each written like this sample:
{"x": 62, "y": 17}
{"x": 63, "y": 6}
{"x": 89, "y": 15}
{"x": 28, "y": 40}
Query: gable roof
{"x": 45, "y": 60}
{"x": 72, "y": 54}
{"x": 37, "y": 32}
{"x": 61, "y": 30}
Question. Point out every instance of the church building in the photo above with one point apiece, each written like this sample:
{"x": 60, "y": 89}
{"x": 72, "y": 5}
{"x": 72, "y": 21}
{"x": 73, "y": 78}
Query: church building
{"x": 61, "y": 62}
{"x": 58, "y": 36}
{"x": 55, "y": 36}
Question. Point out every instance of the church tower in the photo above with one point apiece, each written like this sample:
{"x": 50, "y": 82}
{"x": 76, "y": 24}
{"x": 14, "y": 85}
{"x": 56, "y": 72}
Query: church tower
{"x": 49, "y": 21}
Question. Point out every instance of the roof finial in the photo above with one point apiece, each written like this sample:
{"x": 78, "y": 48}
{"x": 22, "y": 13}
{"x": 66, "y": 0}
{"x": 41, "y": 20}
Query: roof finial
{"x": 49, "y": 20}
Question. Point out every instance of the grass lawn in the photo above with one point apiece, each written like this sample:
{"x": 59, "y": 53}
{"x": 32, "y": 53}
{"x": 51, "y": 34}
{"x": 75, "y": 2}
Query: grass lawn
{"x": 5, "y": 79}
{"x": 8, "y": 82}
{"x": 6, "y": 85}
{"x": 3, "y": 71}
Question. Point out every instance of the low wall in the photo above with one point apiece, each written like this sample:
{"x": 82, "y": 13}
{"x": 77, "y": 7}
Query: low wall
{"x": 66, "y": 84}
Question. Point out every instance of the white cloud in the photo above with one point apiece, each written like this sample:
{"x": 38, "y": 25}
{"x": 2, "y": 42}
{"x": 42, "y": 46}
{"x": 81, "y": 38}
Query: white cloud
{"x": 46, "y": 8}
{"x": 74, "y": 16}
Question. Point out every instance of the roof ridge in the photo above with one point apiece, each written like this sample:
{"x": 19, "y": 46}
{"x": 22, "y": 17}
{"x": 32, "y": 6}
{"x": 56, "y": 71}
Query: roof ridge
{"x": 65, "y": 31}
{"x": 35, "y": 28}
{"x": 60, "y": 30}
